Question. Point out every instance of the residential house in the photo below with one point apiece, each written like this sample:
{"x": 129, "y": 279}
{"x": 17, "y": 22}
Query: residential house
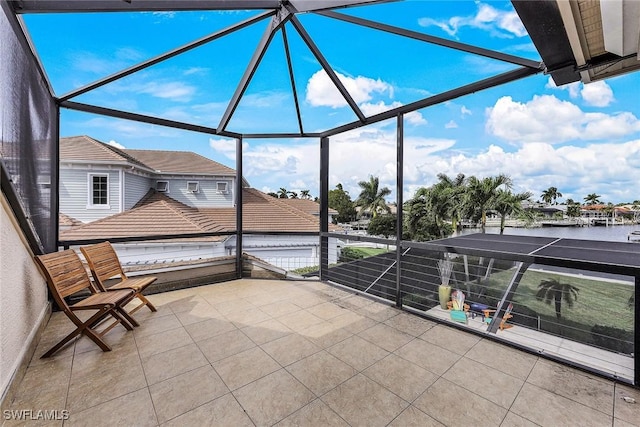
{"x": 98, "y": 180}
{"x": 137, "y": 193}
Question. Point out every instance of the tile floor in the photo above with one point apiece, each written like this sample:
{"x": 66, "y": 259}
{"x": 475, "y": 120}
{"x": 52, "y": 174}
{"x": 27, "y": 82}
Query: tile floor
{"x": 285, "y": 353}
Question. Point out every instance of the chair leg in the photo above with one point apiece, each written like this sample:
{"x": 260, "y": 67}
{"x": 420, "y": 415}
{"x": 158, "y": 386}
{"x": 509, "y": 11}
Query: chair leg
{"x": 82, "y": 329}
{"x": 146, "y": 302}
{"x": 121, "y": 311}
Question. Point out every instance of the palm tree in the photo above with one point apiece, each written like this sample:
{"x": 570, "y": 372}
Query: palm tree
{"x": 592, "y": 199}
{"x": 573, "y": 210}
{"x": 553, "y": 290}
{"x": 283, "y": 193}
{"x": 292, "y": 194}
{"x": 507, "y": 203}
{"x": 550, "y": 195}
{"x": 453, "y": 189}
{"x": 372, "y": 198}
{"x": 304, "y": 194}
{"x": 481, "y": 195}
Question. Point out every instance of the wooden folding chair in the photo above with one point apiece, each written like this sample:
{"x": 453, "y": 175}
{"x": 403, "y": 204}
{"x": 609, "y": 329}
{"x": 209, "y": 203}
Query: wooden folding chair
{"x": 104, "y": 265}
{"x": 66, "y": 275}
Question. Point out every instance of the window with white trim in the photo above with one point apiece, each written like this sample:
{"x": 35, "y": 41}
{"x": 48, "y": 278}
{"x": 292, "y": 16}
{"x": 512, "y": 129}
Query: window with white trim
{"x": 98, "y": 190}
{"x": 162, "y": 186}
{"x": 222, "y": 187}
{"x": 193, "y": 187}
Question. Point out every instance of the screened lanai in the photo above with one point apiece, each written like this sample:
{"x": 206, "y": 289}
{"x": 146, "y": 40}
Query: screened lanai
{"x": 292, "y": 31}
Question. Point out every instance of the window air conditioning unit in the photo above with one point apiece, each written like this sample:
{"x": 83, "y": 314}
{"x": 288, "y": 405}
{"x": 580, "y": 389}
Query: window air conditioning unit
{"x": 162, "y": 186}
{"x": 192, "y": 187}
{"x": 222, "y": 187}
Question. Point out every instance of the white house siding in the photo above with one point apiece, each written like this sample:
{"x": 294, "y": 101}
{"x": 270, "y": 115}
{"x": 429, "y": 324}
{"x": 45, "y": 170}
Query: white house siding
{"x": 135, "y": 187}
{"x": 148, "y": 253}
{"x": 74, "y": 193}
{"x": 23, "y": 299}
{"x": 288, "y": 251}
{"x": 207, "y": 195}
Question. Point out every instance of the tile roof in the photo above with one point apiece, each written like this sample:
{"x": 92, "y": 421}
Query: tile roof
{"x": 182, "y": 162}
{"x": 309, "y": 206}
{"x": 159, "y": 214}
{"x": 171, "y": 162}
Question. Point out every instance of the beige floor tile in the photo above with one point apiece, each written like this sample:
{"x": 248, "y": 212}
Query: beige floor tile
{"x": 157, "y": 325}
{"x": 162, "y": 341}
{"x": 378, "y": 311}
{"x": 316, "y": 413}
{"x": 353, "y": 302}
{"x": 101, "y": 377}
{"x": 450, "y": 338}
{"x": 225, "y": 345}
{"x": 321, "y": 372}
{"x": 594, "y": 392}
{"x": 627, "y": 411}
{"x": 549, "y": 409}
{"x": 47, "y": 377}
{"x": 429, "y": 356}
{"x": 299, "y": 320}
{"x": 363, "y": 402}
{"x": 290, "y": 349}
{"x": 453, "y": 405}
{"x": 162, "y": 366}
{"x": 201, "y": 312}
{"x": 145, "y": 315}
{"x": 404, "y": 378}
{"x": 617, "y": 422}
{"x": 413, "y": 417}
{"x": 326, "y": 311}
{"x": 353, "y": 322}
{"x": 209, "y": 328}
{"x": 224, "y": 411}
{"x": 358, "y": 352}
{"x": 233, "y": 306}
{"x": 503, "y": 358}
{"x": 325, "y": 334}
{"x": 242, "y": 368}
{"x": 187, "y": 303}
{"x": 309, "y": 300}
{"x": 245, "y": 318}
{"x": 487, "y": 382}
{"x": 280, "y": 308}
{"x": 185, "y": 392}
{"x": 410, "y": 324}
{"x": 273, "y": 398}
{"x": 131, "y": 409}
{"x": 117, "y": 337}
{"x": 513, "y": 420}
{"x": 386, "y": 337}
{"x": 266, "y": 331}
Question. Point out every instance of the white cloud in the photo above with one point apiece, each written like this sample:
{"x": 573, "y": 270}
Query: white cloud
{"x": 415, "y": 117}
{"x": 451, "y": 125}
{"x": 115, "y": 144}
{"x": 321, "y": 92}
{"x": 196, "y": 70}
{"x": 596, "y": 94}
{"x": 548, "y": 119}
{"x": 174, "y": 90}
{"x": 500, "y": 23}
{"x": 465, "y": 111}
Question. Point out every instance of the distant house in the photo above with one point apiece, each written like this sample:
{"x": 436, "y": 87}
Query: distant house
{"x": 98, "y": 180}
{"x": 137, "y": 193}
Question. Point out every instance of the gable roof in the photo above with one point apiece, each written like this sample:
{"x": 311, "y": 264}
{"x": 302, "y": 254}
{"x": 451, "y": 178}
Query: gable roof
{"x": 180, "y": 162}
{"x": 87, "y": 149}
{"x": 159, "y": 214}
{"x": 309, "y": 206}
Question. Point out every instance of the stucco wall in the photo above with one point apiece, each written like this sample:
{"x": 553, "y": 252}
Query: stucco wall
{"x": 23, "y": 298}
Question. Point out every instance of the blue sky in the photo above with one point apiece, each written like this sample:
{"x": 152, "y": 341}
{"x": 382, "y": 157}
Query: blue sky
{"x": 579, "y": 138}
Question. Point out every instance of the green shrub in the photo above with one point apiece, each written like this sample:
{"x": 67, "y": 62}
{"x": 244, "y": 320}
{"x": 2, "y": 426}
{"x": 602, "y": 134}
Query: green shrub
{"x": 350, "y": 254}
{"x": 614, "y": 339}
